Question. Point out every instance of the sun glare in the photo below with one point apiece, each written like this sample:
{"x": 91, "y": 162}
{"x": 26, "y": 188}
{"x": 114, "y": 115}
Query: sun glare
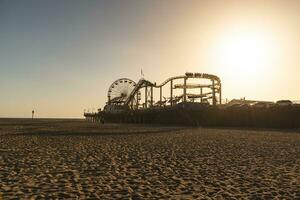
{"x": 245, "y": 53}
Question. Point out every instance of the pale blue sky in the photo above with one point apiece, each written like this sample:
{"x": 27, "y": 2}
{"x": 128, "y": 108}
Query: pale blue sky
{"x": 60, "y": 56}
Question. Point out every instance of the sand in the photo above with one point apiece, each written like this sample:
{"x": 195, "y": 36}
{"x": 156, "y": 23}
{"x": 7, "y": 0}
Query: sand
{"x": 69, "y": 159}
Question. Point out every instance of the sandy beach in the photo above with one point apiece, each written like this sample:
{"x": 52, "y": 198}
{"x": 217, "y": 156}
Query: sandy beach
{"x": 69, "y": 159}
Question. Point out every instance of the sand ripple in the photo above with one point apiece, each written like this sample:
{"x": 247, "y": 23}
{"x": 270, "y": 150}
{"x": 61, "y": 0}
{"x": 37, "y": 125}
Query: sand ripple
{"x": 88, "y": 161}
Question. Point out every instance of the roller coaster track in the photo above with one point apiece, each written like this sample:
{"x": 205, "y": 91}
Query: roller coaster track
{"x": 142, "y": 83}
{"x": 191, "y": 75}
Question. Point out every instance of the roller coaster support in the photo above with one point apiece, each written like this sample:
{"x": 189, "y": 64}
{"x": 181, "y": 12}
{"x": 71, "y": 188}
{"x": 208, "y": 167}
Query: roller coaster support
{"x": 151, "y": 96}
{"x": 201, "y": 93}
{"x": 214, "y": 93}
{"x": 184, "y": 89}
{"x": 171, "y": 92}
{"x": 220, "y": 94}
{"x": 146, "y": 96}
{"x": 160, "y": 95}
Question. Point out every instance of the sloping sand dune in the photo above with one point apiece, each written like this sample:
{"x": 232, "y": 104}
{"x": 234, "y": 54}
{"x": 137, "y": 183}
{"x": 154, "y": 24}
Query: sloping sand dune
{"x": 76, "y": 159}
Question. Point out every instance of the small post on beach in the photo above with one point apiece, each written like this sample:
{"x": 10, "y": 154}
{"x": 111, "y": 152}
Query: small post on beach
{"x": 32, "y": 114}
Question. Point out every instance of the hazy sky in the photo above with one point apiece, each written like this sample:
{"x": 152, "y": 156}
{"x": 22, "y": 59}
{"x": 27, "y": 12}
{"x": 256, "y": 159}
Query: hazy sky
{"x": 60, "y": 56}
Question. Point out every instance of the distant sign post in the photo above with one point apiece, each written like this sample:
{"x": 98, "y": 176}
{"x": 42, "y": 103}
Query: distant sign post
{"x": 32, "y": 116}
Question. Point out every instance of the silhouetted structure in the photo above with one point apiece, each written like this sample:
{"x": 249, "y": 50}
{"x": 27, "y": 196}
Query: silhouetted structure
{"x": 125, "y": 94}
{"x": 126, "y": 105}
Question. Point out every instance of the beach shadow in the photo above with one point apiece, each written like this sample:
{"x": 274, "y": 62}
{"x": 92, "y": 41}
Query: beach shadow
{"x": 296, "y": 130}
{"x": 98, "y": 133}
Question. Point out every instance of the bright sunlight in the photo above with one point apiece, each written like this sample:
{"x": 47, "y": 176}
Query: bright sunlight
{"x": 246, "y": 53}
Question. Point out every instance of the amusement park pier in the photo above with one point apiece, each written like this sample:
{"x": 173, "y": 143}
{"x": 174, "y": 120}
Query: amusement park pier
{"x": 189, "y": 99}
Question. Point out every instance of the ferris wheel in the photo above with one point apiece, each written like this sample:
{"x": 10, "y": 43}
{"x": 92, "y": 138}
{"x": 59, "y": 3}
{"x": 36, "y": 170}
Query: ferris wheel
{"x": 120, "y": 90}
